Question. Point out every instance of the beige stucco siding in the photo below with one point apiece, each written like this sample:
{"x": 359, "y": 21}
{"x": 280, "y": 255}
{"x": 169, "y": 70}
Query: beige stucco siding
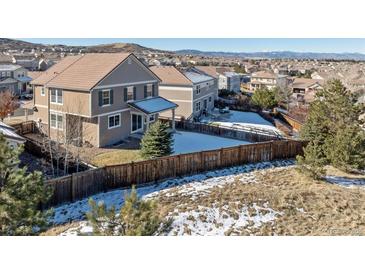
{"x": 182, "y": 96}
{"x": 74, "y": 102}
{"x": 38, "y": 98}
{"x": 111, "y": 136}
{"x": 90, "y": 131}
{"x": 118, "y": 99}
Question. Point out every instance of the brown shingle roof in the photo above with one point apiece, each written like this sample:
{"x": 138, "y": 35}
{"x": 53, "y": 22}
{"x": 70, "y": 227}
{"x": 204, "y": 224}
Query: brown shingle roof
{"x": 87, "y": 71}
{"x": 264, "y": 74}
{"x": 34, "y": 74}
{"x": 305, "y": 82}
{"x": 210, "y": 70}
{"x": 170, "y": 75}
{"x": 55, "y": 70}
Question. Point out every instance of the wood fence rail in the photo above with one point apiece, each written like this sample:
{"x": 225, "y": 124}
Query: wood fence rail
{"x": 83, "y": 184}
{"x": 250, "y": 134}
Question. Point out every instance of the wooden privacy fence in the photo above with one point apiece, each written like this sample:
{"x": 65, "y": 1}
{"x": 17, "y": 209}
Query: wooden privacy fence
{"x": 24, "y": 127}
{"x": 250, "y": 134}
{"x": 83, "y": 184}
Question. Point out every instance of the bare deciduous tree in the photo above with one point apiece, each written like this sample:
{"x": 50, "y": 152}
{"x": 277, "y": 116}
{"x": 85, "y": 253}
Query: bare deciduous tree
{"x": 8, "y": 103}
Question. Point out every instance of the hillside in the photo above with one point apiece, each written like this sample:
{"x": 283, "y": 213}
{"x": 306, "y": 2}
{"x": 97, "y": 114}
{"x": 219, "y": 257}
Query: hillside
{"x": 19, "y": 45}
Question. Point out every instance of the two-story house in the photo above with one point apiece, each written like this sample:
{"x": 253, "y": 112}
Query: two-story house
{"x": 270, "y": 80}
{"x": 226, "y": 78}
{"x": 13, "y": 78}
{"x": 99, "y": 99}
{"x": 192, "y": 91}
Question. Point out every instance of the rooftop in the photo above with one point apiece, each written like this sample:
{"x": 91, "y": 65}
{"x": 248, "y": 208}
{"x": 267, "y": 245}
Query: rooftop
{"x": 80, "y": 72}
{"x": 7, "y": 67}
{"x": 153, "y": 105}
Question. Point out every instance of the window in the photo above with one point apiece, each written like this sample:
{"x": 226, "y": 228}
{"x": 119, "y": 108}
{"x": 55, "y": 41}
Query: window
{"x": 210, "y": 99}
{"x": 56, "y": 96}
{"x": 105, "y": 97}
{"x": 113, "y": 121}
{"x": 43, "y": 92}
{"x": 198, "y": 89}
{"x": 197, "y": 106}
{"x": 149, "y": 90}
{"x": 130, "y": 94}
{"x": 56, "y": 121}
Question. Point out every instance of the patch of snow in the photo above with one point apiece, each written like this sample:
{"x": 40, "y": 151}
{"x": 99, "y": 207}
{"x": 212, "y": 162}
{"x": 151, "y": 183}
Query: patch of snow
{"x": 198, "y": 184}
{"x": 212, "y": 221}
{"x": 243, "y": 120}
{"x": 186, "y": 142}
{"x": 347, "y": 182}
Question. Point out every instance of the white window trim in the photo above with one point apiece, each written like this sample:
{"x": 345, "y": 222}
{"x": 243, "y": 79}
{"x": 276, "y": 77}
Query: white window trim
{"x": 137, "y": 130}
{"x": 50, "y": 120}
{"x": 56, "y": 103}
{"x": 102, "y": 99}
{"x": 120, "y": 121}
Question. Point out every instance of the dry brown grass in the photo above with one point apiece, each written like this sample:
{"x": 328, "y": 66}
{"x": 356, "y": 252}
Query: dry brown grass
{"x": 116, "y": 157}
{"x": 328, "y": 209}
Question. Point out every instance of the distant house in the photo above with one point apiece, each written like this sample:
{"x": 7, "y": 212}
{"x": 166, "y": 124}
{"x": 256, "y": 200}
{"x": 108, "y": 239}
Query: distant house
{"x": 227, "y": 79}
{"x": 13, "y": 139}
{"x": 267, "y": 79}
{"x": 304, "y": 89}
{"x": 98, "y": 99}
{"x": 194, "y": 92}
{"x": 14, "y": 78}
{"x": 230, "y": 81}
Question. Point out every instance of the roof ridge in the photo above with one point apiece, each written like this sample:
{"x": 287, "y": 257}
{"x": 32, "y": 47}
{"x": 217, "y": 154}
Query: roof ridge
{"x": 184, "y": 75}
{"x": 57, "y": 74}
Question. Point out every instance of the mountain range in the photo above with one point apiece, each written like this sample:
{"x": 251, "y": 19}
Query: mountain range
{"x": 276, "y": 55}
{"x": 6, "y": 44}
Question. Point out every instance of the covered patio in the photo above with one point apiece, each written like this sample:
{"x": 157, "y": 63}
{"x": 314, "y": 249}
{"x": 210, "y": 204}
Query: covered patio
{"x": 145, "y": 111}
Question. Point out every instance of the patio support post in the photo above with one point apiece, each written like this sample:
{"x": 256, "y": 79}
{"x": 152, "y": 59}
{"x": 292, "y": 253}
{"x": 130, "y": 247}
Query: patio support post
{"x": 173, "y": 119}
{"x": 147, "y": 121}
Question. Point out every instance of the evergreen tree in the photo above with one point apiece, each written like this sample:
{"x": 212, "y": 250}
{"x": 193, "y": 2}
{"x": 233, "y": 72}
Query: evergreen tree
{"x": 137, "y": 217}
{"x": 264, "y": 98}
{"x": 334, "y": 132}
{"x": 20, "y": 195}
{"x": 157, "y": 141}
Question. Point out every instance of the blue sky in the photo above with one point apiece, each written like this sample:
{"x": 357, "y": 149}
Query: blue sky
{"x": 333, "y": 45}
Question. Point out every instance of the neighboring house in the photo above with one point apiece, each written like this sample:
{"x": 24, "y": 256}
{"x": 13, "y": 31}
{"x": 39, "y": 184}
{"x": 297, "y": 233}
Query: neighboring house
{"x": 194, "y": 92}
{"x": 97, "y": 99}
{"x": 267, "y": 79}
{"x": 13, "y": 139}
{"x": 14, "y": 78}
{"x": 304, "y": 89}
{"x": 227, "y": 79}
{"x": 230, "y": 81}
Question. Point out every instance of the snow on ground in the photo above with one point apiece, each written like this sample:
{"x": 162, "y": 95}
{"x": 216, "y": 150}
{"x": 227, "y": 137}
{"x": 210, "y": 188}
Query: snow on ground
{"x": 186, "y": 142}
{"x": 347, "y": 182}
{"x": 212, "y": 221}
{"x": 199, "y": 184}
{"x": 244, "y": 120}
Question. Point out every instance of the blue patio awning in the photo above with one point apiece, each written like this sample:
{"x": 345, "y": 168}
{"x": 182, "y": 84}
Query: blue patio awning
{"x": 153, "y": 105}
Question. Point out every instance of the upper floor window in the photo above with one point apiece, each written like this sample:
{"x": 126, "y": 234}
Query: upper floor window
{"x": 57, "y": 96}
{"x": 197, "y": 106}
{"x": 105, "y": 97}
{"x": 198, "y": 89}
{"x": 149, "y": 91}
{"x": 43, "y": 92}
{"x": 130, "y": 93}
